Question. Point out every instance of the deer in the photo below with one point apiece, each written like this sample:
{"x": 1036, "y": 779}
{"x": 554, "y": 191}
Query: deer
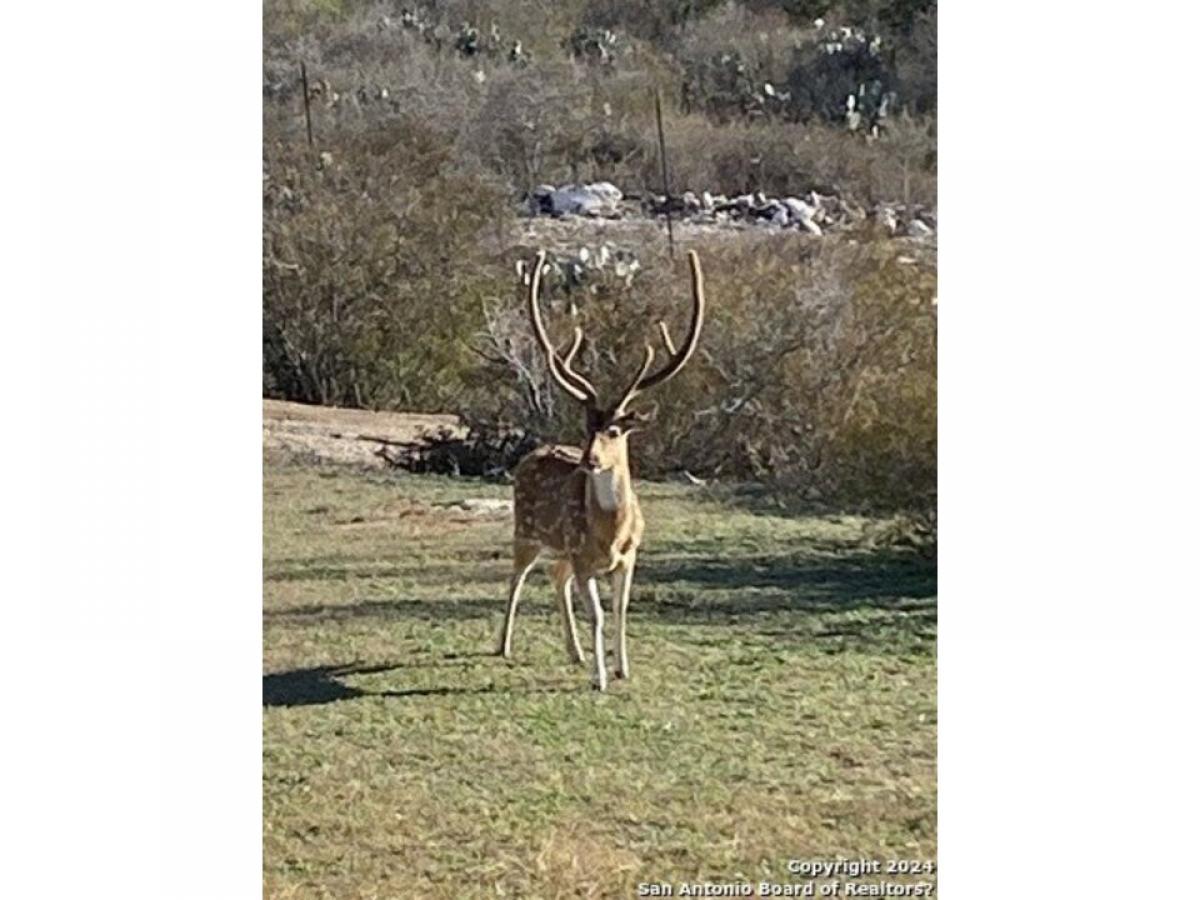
{"x": 576, "y": 504}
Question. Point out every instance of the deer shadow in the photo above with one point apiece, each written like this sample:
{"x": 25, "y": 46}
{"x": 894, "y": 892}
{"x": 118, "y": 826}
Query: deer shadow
{"x": 318, "y": 685}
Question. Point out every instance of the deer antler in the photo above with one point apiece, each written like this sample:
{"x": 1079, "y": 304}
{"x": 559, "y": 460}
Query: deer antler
{"x": 678, "y": 358}
{"x": 568, "y": 379}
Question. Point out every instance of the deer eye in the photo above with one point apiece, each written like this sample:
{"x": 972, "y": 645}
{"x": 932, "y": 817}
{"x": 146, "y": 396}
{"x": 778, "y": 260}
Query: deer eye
{"x": 613, "y": 431}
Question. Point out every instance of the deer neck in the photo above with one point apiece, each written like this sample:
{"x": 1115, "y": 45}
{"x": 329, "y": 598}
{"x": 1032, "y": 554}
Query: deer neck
{"x": 610, "y": 491}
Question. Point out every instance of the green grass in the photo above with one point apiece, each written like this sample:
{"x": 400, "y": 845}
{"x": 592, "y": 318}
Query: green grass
{"x": 782, "y": 703}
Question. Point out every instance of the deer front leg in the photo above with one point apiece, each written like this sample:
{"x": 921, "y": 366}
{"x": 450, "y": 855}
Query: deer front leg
{"x": 524, "y": 556}
{"x": 562, "y": 587}
{"x": 622, "y": 582}
{"x": 600, "y": 675}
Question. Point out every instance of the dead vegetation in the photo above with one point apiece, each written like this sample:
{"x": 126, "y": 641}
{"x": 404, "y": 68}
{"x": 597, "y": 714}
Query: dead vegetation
{"x": 390, "y": 247}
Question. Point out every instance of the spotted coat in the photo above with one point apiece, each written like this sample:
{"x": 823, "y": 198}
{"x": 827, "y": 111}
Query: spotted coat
{"x": 556, "y": 508}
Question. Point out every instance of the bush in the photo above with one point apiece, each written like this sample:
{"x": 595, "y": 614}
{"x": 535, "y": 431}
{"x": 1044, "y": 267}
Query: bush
{"x": 788, "y": 159}
{"x": 534, "y": 125}
{"x": 654, "y": 21}
{"x": 816, "y": 370}
{"x": 374, "y": 262}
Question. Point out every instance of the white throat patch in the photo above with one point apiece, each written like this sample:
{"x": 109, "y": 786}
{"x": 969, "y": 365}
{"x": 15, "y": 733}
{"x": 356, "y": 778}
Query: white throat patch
{"x": 604, "y": 488}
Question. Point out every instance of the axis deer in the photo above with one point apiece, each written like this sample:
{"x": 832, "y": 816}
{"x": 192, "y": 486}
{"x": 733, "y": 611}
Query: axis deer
{"x": 577, "y": 503}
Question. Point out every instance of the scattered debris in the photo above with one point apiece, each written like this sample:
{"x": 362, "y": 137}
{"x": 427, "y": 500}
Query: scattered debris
{"x": 486, "y": 452}
{"x": 814, "y": 213}
{"x": 808, "y": 214}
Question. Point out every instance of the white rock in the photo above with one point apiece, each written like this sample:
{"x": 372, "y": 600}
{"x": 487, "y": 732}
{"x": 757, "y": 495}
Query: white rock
{"x": 599, "y": 199}
{"x": 798, "y": 208}
{"x": 605, "y": 189}
{"x": 802, "y": 214}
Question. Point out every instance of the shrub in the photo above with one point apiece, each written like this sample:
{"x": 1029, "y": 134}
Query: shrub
{"x": 534, "y": 124}
{"x": 653, "y": 21}
{"x": 787, "y": 158}
{"x": 374, "y": 261}
{"x": 842, "y": 76}
{"x": 816, "y": 370}
{"x": 916, "y": 63}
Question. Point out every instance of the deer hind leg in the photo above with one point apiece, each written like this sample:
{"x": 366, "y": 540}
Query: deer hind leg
{"x": 622, "y": 582}
{"x": 563, "y": 577}
{"x": 600, "y": 673}
{"x": 524, "y": 556}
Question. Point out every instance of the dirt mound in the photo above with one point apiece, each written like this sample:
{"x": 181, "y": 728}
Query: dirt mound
{"x": 349, "y": 436}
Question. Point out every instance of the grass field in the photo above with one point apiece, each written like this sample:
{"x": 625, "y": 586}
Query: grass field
{"x": 782, "y": 702}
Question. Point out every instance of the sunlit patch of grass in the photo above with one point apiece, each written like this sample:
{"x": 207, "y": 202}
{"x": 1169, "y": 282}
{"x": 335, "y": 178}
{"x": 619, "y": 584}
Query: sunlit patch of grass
{"x": 782, "y": 701}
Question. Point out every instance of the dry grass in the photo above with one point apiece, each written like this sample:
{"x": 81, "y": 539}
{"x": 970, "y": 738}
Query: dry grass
{"x": 782, "y": 701}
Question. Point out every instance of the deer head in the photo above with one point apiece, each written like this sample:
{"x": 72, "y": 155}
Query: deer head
{"x": 608, "y": 427}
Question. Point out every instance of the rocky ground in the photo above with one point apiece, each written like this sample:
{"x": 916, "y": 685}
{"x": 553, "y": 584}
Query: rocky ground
{"x": 593, "y": 230}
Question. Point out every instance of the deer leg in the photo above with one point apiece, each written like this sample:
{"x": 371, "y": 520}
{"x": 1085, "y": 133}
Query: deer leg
{"x": 524, "y": 556}
{"x": 562, "y": 588}
{"x": 622, "y": 582}
{"x": 600, "y": 675}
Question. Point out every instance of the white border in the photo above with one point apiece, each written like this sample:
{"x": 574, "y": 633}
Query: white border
{"x": 133, "y": 633}
{"x": 1067, "y": 374}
